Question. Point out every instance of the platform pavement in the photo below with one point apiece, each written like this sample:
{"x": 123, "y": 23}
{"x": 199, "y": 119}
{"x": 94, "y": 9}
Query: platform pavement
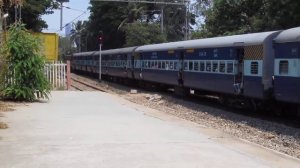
{"x": 98, "y": 130}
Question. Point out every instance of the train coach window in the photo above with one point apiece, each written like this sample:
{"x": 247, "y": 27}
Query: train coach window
{"x": 171, "y": 65}
{"x": 152, "y": 64}
{"x": 175, "y": 65}
{"x": 254, "y": 68}
{"x": 208, "y": 66}
{"x": 196, "y": 66}
{"x": 159, "y": 64}
{"x": 191, "y": 65}
{"x": 229, "y": 67}
{"x": 283, "y": 67}
{"x": 155, "y": 64}
{"x": 215, "y": 66}
{"x": 185, "y": 66}
{"x": 129, "y": 63}
{"x": 163, "y": 65}
{"x": 167, "y": 65}
{"x": 222, "y": 67}
{"x": 202, "y": 66}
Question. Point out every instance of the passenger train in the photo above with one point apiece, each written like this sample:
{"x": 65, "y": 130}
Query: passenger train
{"x": 260, "y": 67}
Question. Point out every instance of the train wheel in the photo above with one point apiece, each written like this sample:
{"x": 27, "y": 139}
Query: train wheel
{"x": 181, "y": 91}
{"x": 278, "y": 110}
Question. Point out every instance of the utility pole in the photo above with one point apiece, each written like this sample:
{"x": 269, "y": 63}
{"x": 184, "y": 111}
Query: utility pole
{"x": 162, "y": 19}
{"x": 61, "y": 15}
{"x": 61, "y": 12}
{"x": 100, "y": 54}
{"x": 186, "y": 31}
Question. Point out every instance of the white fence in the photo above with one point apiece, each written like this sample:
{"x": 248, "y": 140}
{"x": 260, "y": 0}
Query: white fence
{"x": 56, "y": 74}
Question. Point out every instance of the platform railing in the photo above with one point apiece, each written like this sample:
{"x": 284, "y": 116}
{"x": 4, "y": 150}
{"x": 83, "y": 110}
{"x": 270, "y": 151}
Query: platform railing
{"x": 57, "y": 74}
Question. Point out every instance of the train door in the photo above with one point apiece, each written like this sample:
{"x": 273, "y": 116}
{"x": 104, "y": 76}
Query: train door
{"x": 124, "y": 65}
{"x": 132, "y": 66}
{"x": 136, "y": 64}
{"x": 128, "y": 65}
{"x": 181, "y": 68}
{"x": 239, "y": 71}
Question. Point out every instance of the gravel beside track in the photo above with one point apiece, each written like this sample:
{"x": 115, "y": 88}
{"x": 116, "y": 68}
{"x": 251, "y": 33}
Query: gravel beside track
{"x": 269, "y": 134}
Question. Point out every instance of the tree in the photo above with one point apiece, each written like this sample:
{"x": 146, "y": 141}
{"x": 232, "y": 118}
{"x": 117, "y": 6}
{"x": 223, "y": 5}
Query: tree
{"x": 132, "y": 13}
{"x": 112, "y": 17}
{"x": 31, "y": 11}
{"x": 23, "y": 78}
{"x": 226, "y": 17}
{"x": 106, "y": 17}
{"x": 80, "y": 35}
{"x": 174, "y": 23}
{"x": 141, "y": 34}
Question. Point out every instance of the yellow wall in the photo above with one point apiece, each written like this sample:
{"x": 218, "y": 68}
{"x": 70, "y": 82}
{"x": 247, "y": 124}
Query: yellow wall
{"x": 50, "y": 45}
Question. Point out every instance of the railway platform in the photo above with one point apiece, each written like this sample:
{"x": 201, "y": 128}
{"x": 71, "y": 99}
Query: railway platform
{"x": 96, "y": 129}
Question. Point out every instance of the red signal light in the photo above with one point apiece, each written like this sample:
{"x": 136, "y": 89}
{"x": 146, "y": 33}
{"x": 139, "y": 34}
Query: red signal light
{"x": 100, "y": 39}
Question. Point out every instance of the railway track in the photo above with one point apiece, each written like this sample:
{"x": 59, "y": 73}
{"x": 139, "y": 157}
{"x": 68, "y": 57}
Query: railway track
{"x": 193, "y": 98}
{"x": 80, "y": 85}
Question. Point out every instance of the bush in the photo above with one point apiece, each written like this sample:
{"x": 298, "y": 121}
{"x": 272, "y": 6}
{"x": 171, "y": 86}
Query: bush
{"x": 23, "y": 76}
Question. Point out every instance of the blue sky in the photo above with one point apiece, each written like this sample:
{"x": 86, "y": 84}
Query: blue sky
{"x": 77, "y": 8}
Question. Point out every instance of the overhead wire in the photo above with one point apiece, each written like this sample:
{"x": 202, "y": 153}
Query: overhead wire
{"x": 84, "y": 12}
{"x": 73, "y": 9}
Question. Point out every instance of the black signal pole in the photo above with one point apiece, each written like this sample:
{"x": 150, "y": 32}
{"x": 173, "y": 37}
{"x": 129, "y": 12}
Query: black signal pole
{"x": 100, "y": 46}
{"x": 100, "y": 50}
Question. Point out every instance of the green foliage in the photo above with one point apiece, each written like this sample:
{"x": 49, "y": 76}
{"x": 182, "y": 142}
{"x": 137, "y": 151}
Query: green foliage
{"x": 80, "y": 36}
{"x": 106, "y": 17}
{"x": 224, "y": 17}
{"x": 141, "y": 33}
{"x": 24, "y": 78}
{"x": 115, "y": 18}
{"x": 31, "y": 13}
{"x": 203, "y": 33}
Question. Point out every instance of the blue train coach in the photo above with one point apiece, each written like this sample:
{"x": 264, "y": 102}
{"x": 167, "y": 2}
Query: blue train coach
{"x": 287, "y": 66}
{"x": 235, "y": 65}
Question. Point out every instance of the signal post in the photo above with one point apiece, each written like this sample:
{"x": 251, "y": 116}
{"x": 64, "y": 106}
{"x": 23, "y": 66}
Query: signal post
{"x": 100, "y": 59}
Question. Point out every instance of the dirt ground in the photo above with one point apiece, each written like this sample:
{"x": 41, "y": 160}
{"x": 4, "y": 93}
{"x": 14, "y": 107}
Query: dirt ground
{"x": 5, "y": 107}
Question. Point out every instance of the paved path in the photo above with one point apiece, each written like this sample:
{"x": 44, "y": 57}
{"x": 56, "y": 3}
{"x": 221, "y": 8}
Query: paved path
{"x": 97, "y": 130}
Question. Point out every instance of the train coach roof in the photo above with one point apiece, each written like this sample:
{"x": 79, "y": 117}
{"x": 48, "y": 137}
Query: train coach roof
{"x": 85, "y": 53}
{"x": 119, "y": 51}
{"x": 106, "y": 52}
{"x": 289, "y": 35}
{"x": 236, "y": 40}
